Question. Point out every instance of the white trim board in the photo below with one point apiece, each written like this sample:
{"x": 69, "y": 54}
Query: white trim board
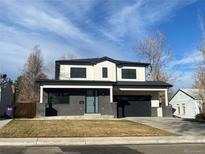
{"x": 75, "y": 86}
{"x": 141, "y": 89}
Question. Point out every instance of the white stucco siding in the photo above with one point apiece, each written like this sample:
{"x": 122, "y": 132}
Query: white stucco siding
{"x": 65, "y": 72}
{"x": 111, "y": 70}
{"x": 140, "y": 73}
{"x": 94, "y": 72}
{"x": 155, "y": 103}
{"x": 182, "y": 102}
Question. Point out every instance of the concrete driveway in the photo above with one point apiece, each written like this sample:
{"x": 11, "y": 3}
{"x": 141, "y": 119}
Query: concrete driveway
{"x": 175, "y": 125}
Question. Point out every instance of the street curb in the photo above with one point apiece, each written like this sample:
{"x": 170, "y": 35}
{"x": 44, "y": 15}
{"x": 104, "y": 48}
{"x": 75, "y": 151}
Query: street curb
{"x": 100, "y": 140}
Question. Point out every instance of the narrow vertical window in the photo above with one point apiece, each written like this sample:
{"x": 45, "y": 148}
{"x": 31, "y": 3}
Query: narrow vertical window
{"x": 178, "y": 108}
{"x": 104, "y": 72}
{"x": 183, "y": 109}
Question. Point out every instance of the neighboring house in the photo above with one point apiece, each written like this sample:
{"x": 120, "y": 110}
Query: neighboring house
{"x": 102, "y": 87}
{"x": 186, "y": 103}
{"x": 6, "y": 95}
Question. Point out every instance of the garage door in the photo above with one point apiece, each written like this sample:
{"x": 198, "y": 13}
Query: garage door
{"x": 133, "y": 106}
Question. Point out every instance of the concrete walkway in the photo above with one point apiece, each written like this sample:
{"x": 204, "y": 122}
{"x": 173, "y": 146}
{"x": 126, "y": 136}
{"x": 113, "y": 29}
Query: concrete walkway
{"x": 175, "y": 125}
{"x": 100, "y": 140}
{"x": 3, "y": 122}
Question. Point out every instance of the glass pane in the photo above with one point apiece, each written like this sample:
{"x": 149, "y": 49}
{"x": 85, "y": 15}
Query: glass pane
{"x": 90, "y": 104}
{"x": 91, "y": 101}
{"x": 104, "y": 72}
{"x": 129, "y": 73}
{"x": 96, "y": 102}
{"x": 78, "y": 72}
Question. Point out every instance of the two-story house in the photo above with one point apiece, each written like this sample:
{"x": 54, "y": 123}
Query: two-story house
{"x": 104, "y": 87}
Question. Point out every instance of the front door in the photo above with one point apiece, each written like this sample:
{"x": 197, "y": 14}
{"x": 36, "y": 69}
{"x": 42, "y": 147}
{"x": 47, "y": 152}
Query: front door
{"x": 91, "y": 102}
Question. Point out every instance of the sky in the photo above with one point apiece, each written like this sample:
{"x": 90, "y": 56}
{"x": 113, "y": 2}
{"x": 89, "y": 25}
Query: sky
{"x": 95, "y": 28}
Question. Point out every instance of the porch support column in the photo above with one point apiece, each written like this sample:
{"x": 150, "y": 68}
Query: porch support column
{"x": 111, "y": 95}
{"x": 166, "y": 97}
{"x": 41, "y": 94}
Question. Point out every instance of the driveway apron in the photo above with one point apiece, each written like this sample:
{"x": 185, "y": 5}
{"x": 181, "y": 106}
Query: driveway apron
{"x": 175, "y": 125}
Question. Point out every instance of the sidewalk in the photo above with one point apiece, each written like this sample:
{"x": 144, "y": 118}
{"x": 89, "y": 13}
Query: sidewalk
{"x": 3, "y": 122}
{"x": 100, "y": 140}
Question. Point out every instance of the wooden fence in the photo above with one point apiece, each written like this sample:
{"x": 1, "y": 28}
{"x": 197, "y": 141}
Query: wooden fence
{"x": 25, "y": 110}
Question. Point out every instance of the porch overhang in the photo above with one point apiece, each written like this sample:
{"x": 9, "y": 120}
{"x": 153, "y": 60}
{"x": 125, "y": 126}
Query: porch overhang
{"x": 152, "y": 86}
{"x": 63, "y": 84}
{"x": 142, "y": 84}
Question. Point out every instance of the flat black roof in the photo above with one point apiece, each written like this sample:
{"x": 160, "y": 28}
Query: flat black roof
{"x": 120, "y": 84}
{"x": 142, "y": 84}
{"x": 92, "y": 61}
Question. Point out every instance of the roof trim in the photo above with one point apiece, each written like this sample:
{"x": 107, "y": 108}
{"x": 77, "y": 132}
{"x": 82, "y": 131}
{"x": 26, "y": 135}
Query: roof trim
{"x": 125, "y": 84}
{"x": 182, "y": 92}
{"x": 142, "y": 84}
{"x": 188, "y": 94}
{"x": 93, "y": 61}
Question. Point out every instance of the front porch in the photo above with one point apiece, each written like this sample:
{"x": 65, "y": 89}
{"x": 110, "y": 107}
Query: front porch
{"x": 93, "y": 102}
{"x": 113, "y": 99}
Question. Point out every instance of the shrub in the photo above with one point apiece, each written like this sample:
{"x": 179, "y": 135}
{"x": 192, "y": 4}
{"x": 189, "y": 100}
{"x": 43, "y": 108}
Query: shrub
{"x": 200, "y": 116}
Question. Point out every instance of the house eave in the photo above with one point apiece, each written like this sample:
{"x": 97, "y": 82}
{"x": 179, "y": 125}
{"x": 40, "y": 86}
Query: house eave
{"x": 138, "y": 84}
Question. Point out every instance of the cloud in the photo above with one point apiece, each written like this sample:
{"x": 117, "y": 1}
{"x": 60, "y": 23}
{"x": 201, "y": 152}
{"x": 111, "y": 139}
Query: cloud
{"x": 183, "y": 69}
{"x": 86, "y": 28}
{"x": 184, "y": 79}
{"x": 135, "y": 20}
{"x": 191, "y": 60}
{"x": 36, "y": 19}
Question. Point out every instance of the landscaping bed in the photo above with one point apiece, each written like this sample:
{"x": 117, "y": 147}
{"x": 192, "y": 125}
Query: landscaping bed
{"x": 78, "y": 128}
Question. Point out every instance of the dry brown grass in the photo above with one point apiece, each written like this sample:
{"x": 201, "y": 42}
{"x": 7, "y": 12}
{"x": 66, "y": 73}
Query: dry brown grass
{"x": 78, "y": 128}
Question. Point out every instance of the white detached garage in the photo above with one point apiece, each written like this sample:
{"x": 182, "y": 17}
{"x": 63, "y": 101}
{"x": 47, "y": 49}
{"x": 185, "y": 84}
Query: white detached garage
{"x": 186, "y": 103}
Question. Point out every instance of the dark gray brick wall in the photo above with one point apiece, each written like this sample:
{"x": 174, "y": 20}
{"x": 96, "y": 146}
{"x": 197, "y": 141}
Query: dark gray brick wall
{"x": 105, "y": 107}
{"x": 75, "y": 106}
{"x": 167, "y": 111}
{"x": 40, "y": 109}
{"x": 154, "y": 112}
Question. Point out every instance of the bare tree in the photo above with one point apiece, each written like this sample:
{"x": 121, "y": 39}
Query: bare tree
{"x": 50, "y": 67}
{"x": 154, "y": 51}
{"x": 199, "y": 82}
{"x": 4, "y": 80}
{"x": 68, "y": 57}
{"x": 33, "y": 71}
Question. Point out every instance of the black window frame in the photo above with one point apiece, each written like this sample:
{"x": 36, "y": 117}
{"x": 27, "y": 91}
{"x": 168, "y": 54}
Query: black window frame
{"x": 79, "y": 72}
{"x": 128, "y": 73}
{"x": 105, "y": 72}
{"x": 58, "y": 98}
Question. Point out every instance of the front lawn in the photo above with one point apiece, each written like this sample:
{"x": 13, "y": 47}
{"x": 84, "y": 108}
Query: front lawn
{"x": 78, "y": 128}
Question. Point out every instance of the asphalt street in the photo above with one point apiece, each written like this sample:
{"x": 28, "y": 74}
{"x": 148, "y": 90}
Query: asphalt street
{"x": 111, "y": 149}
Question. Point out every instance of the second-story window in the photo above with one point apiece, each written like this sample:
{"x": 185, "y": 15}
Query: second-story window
{"x": 76, "y": 72}
{"x": 104, "y": 72}
{"x": 128, "y": 73}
